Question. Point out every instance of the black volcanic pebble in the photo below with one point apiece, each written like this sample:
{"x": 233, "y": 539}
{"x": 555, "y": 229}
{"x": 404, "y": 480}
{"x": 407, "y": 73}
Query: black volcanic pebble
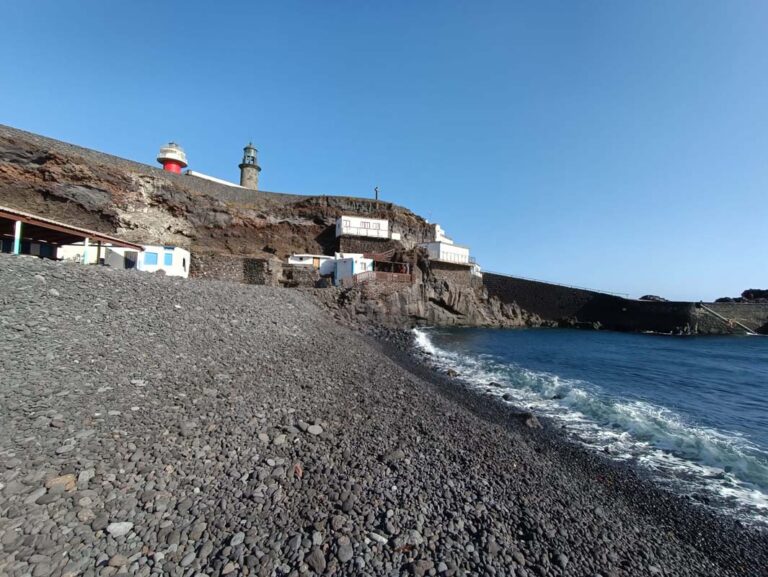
{"x": 219, "y": 429}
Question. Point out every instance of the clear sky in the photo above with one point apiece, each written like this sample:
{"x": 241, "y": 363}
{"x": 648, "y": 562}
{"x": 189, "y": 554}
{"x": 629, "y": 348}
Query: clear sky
{"x": 614, "y": 145}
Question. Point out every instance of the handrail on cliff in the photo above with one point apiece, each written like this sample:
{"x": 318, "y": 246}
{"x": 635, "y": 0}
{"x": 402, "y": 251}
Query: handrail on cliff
{"x": 729, "y": 322}
{"x": 623, "y": 295}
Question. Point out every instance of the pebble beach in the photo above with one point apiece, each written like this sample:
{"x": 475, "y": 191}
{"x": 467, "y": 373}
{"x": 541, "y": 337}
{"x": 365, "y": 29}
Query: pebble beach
{"x": 162, "y": 426}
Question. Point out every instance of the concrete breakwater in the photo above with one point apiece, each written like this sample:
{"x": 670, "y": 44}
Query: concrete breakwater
{"x": 566, "y": 304}
{"x": 157, "y": 426}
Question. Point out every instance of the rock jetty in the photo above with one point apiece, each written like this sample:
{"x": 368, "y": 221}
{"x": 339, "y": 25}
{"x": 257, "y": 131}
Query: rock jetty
{"x": 157, "y": 426}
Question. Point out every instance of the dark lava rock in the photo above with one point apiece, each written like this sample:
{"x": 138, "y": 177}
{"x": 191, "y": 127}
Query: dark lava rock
{"x": 316, "y": 560}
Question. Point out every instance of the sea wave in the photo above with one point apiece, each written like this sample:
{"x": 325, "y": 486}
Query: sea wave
{"x": 720, "y": 468}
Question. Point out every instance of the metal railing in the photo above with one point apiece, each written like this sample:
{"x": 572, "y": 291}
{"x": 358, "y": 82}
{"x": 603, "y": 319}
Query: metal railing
{"x": 380, "y": 256}
{"x": 504, "y": 274}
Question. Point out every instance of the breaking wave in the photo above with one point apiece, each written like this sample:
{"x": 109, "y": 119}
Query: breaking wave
{"x": 718, "y": 468}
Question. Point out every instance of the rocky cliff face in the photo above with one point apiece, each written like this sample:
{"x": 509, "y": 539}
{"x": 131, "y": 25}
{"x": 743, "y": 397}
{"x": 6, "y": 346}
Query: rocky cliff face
{"x": 431, "y": 300}
{"x": 147, "y": 205}
{"x": 443, "y": 304}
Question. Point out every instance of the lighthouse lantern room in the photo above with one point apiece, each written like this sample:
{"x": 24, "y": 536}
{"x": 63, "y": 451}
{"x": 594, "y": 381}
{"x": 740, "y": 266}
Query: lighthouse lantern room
{"x": 172, "y": 157}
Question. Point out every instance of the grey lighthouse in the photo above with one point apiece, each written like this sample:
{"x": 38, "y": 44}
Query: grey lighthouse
{"x": 249, "y": 168}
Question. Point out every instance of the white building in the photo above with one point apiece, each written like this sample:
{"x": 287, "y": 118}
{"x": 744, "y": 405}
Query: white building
{"x": 442, "y": 248}
{"x": 438, "y": 234}
{"x": 445, "y": 252}
{"x": 347, "y": 265}
{"x": 362, "y": 226}
{"x": 323, "y": 263}
{"x": 174, "y": 261}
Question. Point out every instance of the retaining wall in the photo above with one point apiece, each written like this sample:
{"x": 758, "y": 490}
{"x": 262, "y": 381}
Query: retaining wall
{"x": 454, "y": 273}
{"x": 296, "y": 275}
{"x": 754, "y": 316}
{"x": 235, "y": 268}
{"x": 562, "y": 303}
{"x": 359, "y": 244}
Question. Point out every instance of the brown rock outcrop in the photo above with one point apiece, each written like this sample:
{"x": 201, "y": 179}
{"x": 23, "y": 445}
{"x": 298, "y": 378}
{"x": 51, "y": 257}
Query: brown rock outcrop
{"x": 145, "y": 204}
{"x": 234, "y": 233}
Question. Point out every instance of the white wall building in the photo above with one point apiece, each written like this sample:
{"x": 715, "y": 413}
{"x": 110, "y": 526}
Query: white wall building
{"x": 323, "y": 263}
{"x": 438, "y": 235}
{"x": 445, "y": 252}
{"x": 442, "y": 248}
{"x": 348, "y": 265}
{"x": 362, "y": 226}
{"x": 174, "y": 261}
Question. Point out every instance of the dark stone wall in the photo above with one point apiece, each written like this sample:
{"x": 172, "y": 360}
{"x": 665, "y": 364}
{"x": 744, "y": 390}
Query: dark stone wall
{"x": 295, "y": 275}
{"x": 549, "y": 301}
{"x": 358, "y": 244}
{"x": 454, "y": 273}
{"x": 559, "y": 303}
{"x": 752, "y": 315}
{"x": 620, "y": 314}
{"x": 235, "y": 268}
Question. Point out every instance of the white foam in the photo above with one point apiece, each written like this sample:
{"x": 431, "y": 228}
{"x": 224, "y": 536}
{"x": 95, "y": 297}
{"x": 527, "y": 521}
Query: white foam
{"x": 693, "y": 459}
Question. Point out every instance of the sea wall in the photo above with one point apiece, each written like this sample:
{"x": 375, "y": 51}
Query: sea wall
{"x": 567, "y": 304}
{"x": 549, "y": 301}
{"x": 752, "y": 315}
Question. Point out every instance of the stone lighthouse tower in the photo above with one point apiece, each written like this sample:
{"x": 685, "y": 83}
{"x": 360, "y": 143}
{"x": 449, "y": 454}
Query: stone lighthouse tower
{"x": 249, "y": 168}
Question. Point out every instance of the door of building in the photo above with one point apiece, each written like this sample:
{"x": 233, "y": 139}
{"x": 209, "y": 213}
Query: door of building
{"x": 131, "y": 257}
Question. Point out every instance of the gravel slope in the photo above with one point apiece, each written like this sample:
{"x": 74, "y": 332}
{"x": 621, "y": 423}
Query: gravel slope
{"x": 158, "y": 426}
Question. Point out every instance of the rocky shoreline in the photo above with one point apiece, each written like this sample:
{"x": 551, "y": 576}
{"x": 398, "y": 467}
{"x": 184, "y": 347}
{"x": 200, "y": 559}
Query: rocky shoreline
{"x": 156, "y": 426}
{"x": 635, "y": 487}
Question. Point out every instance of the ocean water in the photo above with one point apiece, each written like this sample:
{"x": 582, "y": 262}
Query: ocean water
{"x": 693, "y": 411}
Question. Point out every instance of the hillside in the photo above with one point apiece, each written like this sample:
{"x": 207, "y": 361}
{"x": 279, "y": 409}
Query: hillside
{"x": 226, "y": 227}
{"x": 145, "y": 204}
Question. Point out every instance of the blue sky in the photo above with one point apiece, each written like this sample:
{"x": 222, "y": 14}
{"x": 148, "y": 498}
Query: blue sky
{"x": 615, "y": 145}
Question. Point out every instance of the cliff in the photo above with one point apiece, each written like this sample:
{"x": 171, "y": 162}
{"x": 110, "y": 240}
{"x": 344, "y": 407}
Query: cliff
{"x": 145, "y": 204}
{"x": 431, "y": 300}
{"x": 234, "y": 233}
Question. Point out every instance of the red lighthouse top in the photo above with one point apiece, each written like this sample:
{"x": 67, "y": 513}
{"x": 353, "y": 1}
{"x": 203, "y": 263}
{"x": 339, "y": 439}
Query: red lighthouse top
{"x": 172, "y": 157}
